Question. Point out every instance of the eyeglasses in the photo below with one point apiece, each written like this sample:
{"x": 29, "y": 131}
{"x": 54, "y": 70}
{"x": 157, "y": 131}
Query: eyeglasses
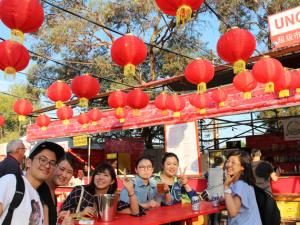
{"x": 145, "y": 167}
{"x": 44, "y": 162}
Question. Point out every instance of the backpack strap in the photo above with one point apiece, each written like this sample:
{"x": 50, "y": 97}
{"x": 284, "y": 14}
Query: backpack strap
{"x": 80, "y": 199}
{"x": 17, "y": 199}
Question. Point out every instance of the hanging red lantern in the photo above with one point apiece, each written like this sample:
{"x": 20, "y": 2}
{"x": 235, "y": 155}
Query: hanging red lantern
{"x": 137, "y": 99}
{"x": 23, "y": 108}
{"x": 14, "y": 57}
{"x": 117, "y": 100}
{"x": 200, "y": 102}
{"x": 94, "y": 115}
{"x": 219, "y": 96}
{"x": 43, "y": 121}
{"x": 160, "y": 102}
{"x": 121, "y": 115}
{"x": 128, "y": 51}
{"x": 83, "y": 119}
{"x": 2, "y": 121}
{"x": 296, "y": 79}
{"x": 85, "y": 87}
{"x": 176, "y": 104}
{"x": 199, "y": 72}
{"x": 236, "y": 46}
{"x": 284, "y": 83}
{"x": 182, "y": 9}
{"x": 245, "y": 83}
{"x": 267, "y": 71}
{"x": 59, "y": 92}
{"x": 21, "y": 16}
{"x": 65, "y": 113}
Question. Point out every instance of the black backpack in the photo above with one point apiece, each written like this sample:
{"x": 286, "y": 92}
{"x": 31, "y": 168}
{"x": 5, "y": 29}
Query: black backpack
{"x": 17, "y": 199}
{"x": 268, "y": 210}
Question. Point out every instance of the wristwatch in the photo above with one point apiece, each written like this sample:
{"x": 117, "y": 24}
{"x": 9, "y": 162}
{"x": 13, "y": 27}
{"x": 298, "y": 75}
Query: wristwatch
{"x": 227, "y": 191}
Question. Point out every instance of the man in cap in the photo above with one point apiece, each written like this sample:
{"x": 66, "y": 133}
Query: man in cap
{"x": 15, "y": 151}
{"x": 40, "y": 164}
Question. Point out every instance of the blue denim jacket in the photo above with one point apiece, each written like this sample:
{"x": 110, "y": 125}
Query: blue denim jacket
{"x": 143, "y": 193}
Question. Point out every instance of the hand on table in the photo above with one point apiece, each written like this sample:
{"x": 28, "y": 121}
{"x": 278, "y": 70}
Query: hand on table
{"x": 88, "y": 212}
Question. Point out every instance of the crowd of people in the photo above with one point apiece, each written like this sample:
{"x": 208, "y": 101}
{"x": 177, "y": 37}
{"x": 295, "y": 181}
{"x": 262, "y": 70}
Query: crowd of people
{"x": 48, "y": 167}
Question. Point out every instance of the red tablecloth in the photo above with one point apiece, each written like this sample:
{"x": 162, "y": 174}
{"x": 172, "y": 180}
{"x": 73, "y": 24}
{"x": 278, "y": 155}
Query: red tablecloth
{"x": 165, "y": 214}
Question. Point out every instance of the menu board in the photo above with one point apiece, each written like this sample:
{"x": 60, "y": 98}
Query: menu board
{"x": 182, "y": 139}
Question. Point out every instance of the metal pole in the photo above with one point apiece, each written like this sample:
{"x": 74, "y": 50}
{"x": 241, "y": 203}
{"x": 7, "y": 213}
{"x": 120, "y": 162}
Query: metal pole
{"x": 89, "y": 158}
{"x": 252, "y": 123}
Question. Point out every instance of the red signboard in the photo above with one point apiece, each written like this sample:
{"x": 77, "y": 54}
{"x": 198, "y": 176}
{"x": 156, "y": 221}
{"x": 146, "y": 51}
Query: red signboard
{"x": 285, "y": 28}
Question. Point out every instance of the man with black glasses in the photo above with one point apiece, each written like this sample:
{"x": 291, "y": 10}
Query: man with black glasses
{"x": 40, "y": 165}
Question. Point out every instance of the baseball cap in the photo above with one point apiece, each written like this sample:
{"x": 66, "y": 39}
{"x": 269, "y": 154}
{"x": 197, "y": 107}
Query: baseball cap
{"x": 57, "y": 149}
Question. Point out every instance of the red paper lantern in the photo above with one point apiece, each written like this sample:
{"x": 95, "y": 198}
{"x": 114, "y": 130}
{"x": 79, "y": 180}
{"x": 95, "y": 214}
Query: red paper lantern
{"x": 182, "y": 9}
{"x": 117, "y": 100}
{"x": 21, "y": 16}
{"x": 94, "y": 115}
{"x": 14, "y": 57}
{"x": 65, "y": 113}
{"x": 176, "y": 104}
{"x": 23, "y": 108}
{"x": 137, "y": 99}
{"x": 2, "y": 121}
{"x": 245, "y": 83}
{"x": 121, "y": 115}
{"x": 43, "y": 121}
{"x": 128, "y": 51}
{"x": 284, "y": 83}
{"x": 267, "y": 71}
{"x": 236, "y": 46}
{"x": 296, "y": 79}
{"x": 59, "y": 92}
{"x": 219, "y": 96}
{"x": 85, "y": 87}
{"x": 83, "y": 119}
{"x": 200, "y": 102}
{"x": 160, "y": 102}
{"x": 199, "y": 72}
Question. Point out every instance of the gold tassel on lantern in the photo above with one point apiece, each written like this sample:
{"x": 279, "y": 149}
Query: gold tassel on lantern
{"x": 183, "y": 14}
{"x": 202, "y": 111}
{"x": 129, "y": 69}
{"x": 84, "y": 126}
{"x": 222, "y": 104}
{"x": 43, "y": 128}
{"x": 297, "y": 90}
{"x": 10, "y": 71}
{"x": 94, "y": 123}
{"x": 83, "y": 102}
{"x": 119, "y": 111}
{"x": 269, "y": 87}
{"x": 122, "y": 120}
{"x": 21, "y": 118}
{"x": 284, "y": 93}
{"x": 136, "y": 112}
{"x": 201, "y": 88}
{"x": 247, "y": 95}
{"x": 17, "y": 35}
{"x": 66, "y": 122}
{"x": 176, "y": 114}
{"x": 59, "y": 104}
{"x": 164, "y": 112}
{"x": 239, "y": 66}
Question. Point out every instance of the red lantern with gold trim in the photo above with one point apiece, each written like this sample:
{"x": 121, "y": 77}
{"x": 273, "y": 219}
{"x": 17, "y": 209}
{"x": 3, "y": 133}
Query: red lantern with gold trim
{"x": 137, "y": 99}
{"x": 2, "y": 121}
{"x": 199, "y": 72}
{"x": 128, "y": 51}
{"x": 284, "y": 83}
{"x": 14, "y": 57}
{"x": 85, "y": 87}
{"x": 200, "y": 102}
{"x": 176, "y": 104}
{"x": 245, "y": 83}
{"x": 117, "y": 100}
{"x": 296, "y": 79}
{"x": 267, "y": 71}
{"x": 219, "y": 96}
{"x": 65, "y": 113}
{"x": 59, "y": 92}
{"x": 23, "y": 108}
{"x": 94, "y": 115}
{"x": 236, "y": 46}
{"x": 182, "y": 9}
{"x": 43, "y": 121}
{"x": 21, "y": 16}
{"x": 121, "y": 115}
{"x": 83, "y": 119}
{"x": 160, "y": 102}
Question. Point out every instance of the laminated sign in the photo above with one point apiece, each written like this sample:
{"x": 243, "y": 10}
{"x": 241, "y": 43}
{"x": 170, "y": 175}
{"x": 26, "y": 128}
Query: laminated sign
{"x": 80, "y": 141}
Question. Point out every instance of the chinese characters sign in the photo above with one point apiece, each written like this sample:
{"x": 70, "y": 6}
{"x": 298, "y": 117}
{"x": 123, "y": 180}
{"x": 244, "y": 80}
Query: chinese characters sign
{"x": 285, "y": 28}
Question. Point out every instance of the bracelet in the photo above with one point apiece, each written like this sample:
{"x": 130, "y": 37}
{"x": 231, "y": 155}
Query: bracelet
{"x": 130, "y": 195}
{"x": 227, "y": 191}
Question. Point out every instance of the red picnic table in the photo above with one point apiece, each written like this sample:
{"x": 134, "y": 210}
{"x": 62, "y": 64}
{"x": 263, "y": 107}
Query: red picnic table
{"x": 165, "y": 214}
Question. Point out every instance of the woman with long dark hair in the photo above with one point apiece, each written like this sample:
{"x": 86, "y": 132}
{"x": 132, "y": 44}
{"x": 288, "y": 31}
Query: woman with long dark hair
{"x": 239, "y": 192}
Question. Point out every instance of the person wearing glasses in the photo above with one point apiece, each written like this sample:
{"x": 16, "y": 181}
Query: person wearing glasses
{"x": 40, "y": 165}
{"x": 15, "y": 151}
{"x": 144, "y": 188}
